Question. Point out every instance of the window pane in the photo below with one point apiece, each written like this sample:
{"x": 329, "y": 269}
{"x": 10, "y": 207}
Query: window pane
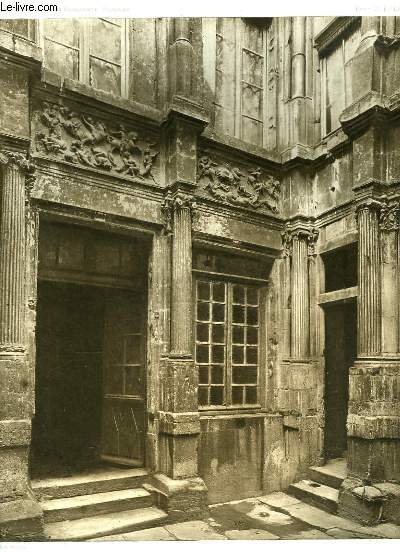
{"x": 203, "y": 311}
{"x": 238, "y": 334}
{"x": 132, "y": 346}
{"x": 218, "y": 353}
{"x": 238, "y": 294}
{"x": 218, "y": 333}
{"x": 237, "y": 355}
{"x": 217, "y": 374}
{"x": 203, "y": 396}
{"x": 105, "y": 76}
{"x": 63, "y": 31}
{"x": 61, "y": 59}
{"x": 105, "y": 41}
{"x": 203, "y": 291}
{"x": 219, "y": 292}
{"x": 202, "y": 332}
{"x": 237, "y": 395}
{"x": 251, "y": 355}
{"x": 218, "y": 312}
{"x": 251, "y": 395}
{"x": 216, "y": 395}
{"x": 202, "y": 354}
{"x": 245, "y": 374}
{"x": 252, "y": 316}
{"x": 252, "y": 296}
{"x": 238, "y": 314}
{"x": 252, "y": 336}
{"x": 133, "y": 381}
{"x": 203, "y": 374}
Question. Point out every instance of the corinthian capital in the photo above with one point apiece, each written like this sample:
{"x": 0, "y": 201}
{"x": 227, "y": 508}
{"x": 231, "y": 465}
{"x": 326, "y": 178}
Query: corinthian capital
{"x": 389, "y": 217}
{"x": 173, "y": 202}
{"x": 307, "y": 233}
{"x": 8, "y": 158}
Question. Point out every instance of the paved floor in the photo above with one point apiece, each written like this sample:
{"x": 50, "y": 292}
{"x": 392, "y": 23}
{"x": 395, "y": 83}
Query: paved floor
{"x": 271, "y": 517}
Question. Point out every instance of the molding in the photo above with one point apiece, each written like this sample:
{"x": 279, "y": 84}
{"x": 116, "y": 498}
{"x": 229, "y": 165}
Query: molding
{"x": 336, "y": 29}
{"x": 339, "y": 296}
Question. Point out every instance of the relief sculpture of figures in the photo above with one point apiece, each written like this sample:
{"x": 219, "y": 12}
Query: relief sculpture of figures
{"x": 80, "y": 139}
{"x": 245, "y": 188}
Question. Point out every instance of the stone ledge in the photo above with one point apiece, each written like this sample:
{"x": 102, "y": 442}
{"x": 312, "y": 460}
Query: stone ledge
{"x": 179, "y": 423}
{"x": 15, "y": 433}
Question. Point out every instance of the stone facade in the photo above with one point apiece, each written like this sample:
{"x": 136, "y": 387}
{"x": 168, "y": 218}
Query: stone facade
{"x": 219, "y": 145}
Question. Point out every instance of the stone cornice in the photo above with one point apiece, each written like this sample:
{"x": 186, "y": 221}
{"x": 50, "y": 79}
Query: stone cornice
{"x": 328, "y": 37}
{"x": 371, "y": 110}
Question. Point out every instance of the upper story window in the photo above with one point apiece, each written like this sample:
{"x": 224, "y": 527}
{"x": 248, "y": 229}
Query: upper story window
{"x": 336, "y": 80}
{"x": 94, "y": 51}
{"x": 26, "y": 28}
{"x": 240, "y": 80}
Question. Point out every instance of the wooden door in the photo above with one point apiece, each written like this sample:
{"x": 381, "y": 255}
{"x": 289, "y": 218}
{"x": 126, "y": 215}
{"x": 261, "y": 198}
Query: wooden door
{"x": 123, "y": 408}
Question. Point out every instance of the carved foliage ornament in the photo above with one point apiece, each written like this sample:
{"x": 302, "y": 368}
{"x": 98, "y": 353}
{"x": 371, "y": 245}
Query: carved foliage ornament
{"x": 389, "y": 217}
{"x": 81, "y": 139}
{"x": 20, "y": 160}
{"x": 249, "y": 188}
{"x": 308, "y": 234}
{"x": 171, "y": 203}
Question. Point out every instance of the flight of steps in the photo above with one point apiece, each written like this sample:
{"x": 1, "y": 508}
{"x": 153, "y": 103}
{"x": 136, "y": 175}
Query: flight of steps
{"x": 104, "y": 502}
{"x": 321, "y": 490}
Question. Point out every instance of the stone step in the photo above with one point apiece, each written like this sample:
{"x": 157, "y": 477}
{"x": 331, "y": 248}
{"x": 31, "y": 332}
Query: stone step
{"x": 315, "y": 494}
{"x": 93, "y": 482}
{"x": 104, "y": 525}
{"x": 332, "y": 474}
{"x": 63, "y": 509}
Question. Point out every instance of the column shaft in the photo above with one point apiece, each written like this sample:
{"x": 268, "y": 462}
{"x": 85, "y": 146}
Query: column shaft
{"x": 300, "y": 299}
{"x": 369, "y": 283}
{"x": 12, "y": 259}
{"x": 181, "y": 304}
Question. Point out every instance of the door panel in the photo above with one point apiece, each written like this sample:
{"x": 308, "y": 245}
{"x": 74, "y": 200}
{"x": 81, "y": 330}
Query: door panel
{"x": 123, "y": 417}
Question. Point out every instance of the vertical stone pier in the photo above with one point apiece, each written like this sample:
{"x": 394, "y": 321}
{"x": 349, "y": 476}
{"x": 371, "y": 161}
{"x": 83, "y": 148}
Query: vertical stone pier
{"x": 19, "y": 515}
{"x": 373, "y": 422}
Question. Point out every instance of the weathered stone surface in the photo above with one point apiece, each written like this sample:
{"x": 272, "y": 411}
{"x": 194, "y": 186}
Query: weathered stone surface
{"x": 250, "y": 534}
{"x": 193, "y": 530}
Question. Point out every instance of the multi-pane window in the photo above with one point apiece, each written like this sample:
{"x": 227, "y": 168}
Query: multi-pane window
{"x": 93, "y": 51}
{"x": 227, "y": 338}
{"x": 240, "y": 79}
{"x": 336, "y": 81}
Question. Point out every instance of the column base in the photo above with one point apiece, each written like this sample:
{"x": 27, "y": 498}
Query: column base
{"x": 369, "y": 504}
{"x": 21, "y": 520}
{"x": 182, "y": 499}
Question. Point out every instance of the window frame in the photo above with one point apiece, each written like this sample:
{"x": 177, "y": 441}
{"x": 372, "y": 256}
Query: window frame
{"x": 83, "y": 50}
{"x": 239, "y": 80}
{"x": 230, "y": 280}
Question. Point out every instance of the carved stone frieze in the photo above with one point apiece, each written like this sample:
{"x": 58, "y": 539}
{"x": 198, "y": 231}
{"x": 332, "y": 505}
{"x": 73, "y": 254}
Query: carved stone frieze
{"x": 81, "y": 139}
{"x": 251, "y": 188}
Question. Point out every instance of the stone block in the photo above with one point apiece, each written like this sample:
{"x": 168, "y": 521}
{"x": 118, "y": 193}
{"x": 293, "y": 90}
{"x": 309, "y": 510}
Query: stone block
{"x": 13, "y": 472}
{"x": 182, "y": 499}
{"x": 21, "y": 520}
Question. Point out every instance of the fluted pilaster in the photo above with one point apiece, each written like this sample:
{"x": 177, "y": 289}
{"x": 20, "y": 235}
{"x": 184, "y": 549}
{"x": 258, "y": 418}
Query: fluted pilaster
{"x": 181, "y": 285}
{"x": 12, "y": 252}
{"x": 369, "y": 280}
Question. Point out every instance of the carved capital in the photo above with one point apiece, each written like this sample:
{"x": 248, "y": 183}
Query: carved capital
{"x": 174, "y": 202}
{"x": 369, "y": 205}
{"x": 389, "y": 216}
{"x": 16, "y": 158}
{"x": 310, "y": 235}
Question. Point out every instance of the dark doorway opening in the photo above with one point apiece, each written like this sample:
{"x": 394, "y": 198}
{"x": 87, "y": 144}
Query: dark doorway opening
{"x": 340, "y": 354}
{"x": 67, "y": 422}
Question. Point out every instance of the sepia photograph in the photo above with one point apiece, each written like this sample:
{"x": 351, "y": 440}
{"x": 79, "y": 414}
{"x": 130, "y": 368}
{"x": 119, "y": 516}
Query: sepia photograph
{"x": 199, "y": 275}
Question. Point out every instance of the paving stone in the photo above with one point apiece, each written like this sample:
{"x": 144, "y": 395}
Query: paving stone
{"x": 154, "y": 534}
{"x": 265, "y": 514}
{"x": 278, "y": 500}
{"x": 193, "y": 530}
{"x": 310, "y": 534}
{"x": 383, "y": 530}
{"x": 318, "y": 518}
{"x": 338, "y": 533}
{"x": 250, "y": 534}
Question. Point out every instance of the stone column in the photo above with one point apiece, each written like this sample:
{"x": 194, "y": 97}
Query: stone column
{"x": 12, "y": 253}
{"x": 300, "y": 298}
{"x": 16, "y": 381}
{"x": 369, "y": 281}
{"x": 181, "y": 291}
